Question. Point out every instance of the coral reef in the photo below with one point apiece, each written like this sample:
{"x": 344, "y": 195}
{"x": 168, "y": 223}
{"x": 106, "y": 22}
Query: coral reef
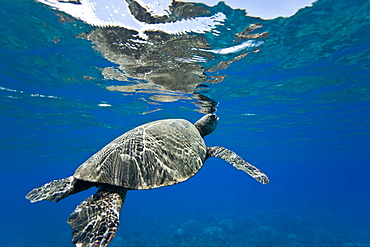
{"x": 273, "y": 229}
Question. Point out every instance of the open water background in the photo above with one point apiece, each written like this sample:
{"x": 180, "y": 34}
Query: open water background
{"x": 299, "y": 110}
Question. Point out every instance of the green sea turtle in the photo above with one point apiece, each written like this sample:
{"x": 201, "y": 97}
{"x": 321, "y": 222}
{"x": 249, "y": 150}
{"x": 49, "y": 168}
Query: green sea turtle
{"x": 152, "y": 155}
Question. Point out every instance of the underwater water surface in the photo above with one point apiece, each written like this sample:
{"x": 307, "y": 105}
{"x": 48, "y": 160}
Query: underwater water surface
{"x": 293, "y": 99}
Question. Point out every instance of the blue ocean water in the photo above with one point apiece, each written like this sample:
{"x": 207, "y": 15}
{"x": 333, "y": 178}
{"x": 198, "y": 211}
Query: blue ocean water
{"x": 299, "y": 109}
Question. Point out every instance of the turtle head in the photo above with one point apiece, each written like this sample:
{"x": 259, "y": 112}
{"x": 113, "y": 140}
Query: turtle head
{"x": 207, "y": 124}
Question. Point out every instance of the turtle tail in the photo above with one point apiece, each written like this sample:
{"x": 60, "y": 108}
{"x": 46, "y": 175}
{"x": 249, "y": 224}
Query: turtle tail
{"x": 58, "y": 189}
{"x": 95, "y": 221}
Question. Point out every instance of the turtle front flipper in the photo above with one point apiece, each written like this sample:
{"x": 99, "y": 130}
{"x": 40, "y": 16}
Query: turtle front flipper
{"x": 95, "y": 221}
{"x": 58, "y": 189}
{"x": 238, "y": 162}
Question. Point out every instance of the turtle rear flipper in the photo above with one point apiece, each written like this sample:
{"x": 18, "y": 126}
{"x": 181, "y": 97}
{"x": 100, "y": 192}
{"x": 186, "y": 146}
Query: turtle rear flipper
{"x": 58, "y": 189}
{"x": 95, "y": 220}
{"x": 238, "y": 162}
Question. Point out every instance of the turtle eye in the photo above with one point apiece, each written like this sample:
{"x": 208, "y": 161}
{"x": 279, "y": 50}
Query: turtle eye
{"x": 214, "y": 117}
